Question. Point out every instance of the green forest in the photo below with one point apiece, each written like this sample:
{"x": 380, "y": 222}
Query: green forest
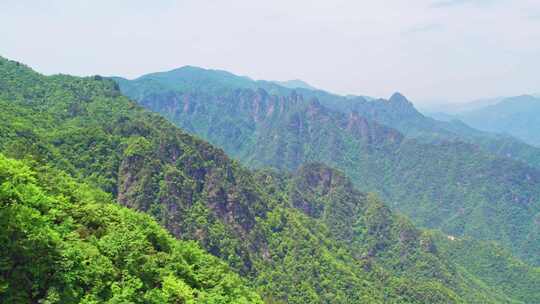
{"x": 103, "y": 201}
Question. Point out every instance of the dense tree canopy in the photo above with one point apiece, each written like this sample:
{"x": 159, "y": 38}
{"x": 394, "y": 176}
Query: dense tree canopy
{"x": 64, "y": 242}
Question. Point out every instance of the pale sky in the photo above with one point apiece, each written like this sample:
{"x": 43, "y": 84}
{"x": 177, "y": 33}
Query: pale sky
{"x": 430, "y": 50}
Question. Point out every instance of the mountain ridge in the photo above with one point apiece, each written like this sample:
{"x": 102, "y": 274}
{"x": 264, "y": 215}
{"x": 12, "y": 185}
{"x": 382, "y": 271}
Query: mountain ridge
{"x": 405, "y": 119}
{"x": 514, "y": 116}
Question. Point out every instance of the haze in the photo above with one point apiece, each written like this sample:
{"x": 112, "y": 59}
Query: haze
{"x": 432, "y": 51}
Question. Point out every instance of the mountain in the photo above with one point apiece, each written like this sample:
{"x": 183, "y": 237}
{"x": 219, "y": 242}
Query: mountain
{"x": 517, "y": 116}
{"x": 445, "y": 183}
{"x": 295, "y": 84}
{"x": 302, "y": 237}
{"x": 456, "y": 108}
{"x": 399, "y": 113}
{"x": 403, "y": 117}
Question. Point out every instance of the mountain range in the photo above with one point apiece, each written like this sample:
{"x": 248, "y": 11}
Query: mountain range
{"x": 450, "y": 109}
{"x": 517, "y": 116}
{"x": 87, "y": 175}
{"x": 514, "y": 116}
{"x": 426, "y": 169}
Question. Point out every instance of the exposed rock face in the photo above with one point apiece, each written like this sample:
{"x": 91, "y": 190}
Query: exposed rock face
{"x": 370, "y": 131}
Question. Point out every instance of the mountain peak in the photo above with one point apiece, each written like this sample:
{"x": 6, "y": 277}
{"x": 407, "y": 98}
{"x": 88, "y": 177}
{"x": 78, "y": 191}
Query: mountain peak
{"x": 399, "y": 98}
{"x": 195, "y": 71}
{"x": 189, "y": 67}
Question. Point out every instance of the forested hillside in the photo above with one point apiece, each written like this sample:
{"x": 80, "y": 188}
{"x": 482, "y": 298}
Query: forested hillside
{"x": 437, "y": 179}
{"x": 65, "y": 242}
{"x": 488, "y": 259}
{"x": 303, "y": 237}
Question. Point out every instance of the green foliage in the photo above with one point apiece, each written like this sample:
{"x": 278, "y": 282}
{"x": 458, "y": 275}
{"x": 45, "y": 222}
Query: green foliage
{"x": 137, "y": 146}
{"x": 487, "y": 261}
{"x": 64, "y": 242}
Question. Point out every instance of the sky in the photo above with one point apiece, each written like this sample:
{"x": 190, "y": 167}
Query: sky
{"x": 430, "y": 50}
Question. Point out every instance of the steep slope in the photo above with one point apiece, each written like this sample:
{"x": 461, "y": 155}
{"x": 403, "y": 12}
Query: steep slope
{"x": 517, "y": 116}
{"x": 261, "y": 224}
{"x": 64, "y": 242}
{"x": 445, "y": 184}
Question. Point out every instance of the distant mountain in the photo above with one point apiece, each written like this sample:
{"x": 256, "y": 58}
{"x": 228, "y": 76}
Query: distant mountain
{"x": 513, "y": 116}
{"x": 307, "y": 236}
{"x": 295, "y": 84}
{"x": 403, "y": 117}
{"x": 441, "y": 116}
{"x": 517, "y": 116}
{"x": 432, "y": 173}
{"x": 456, "y": 108}
{"x": 400, "y": 113}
